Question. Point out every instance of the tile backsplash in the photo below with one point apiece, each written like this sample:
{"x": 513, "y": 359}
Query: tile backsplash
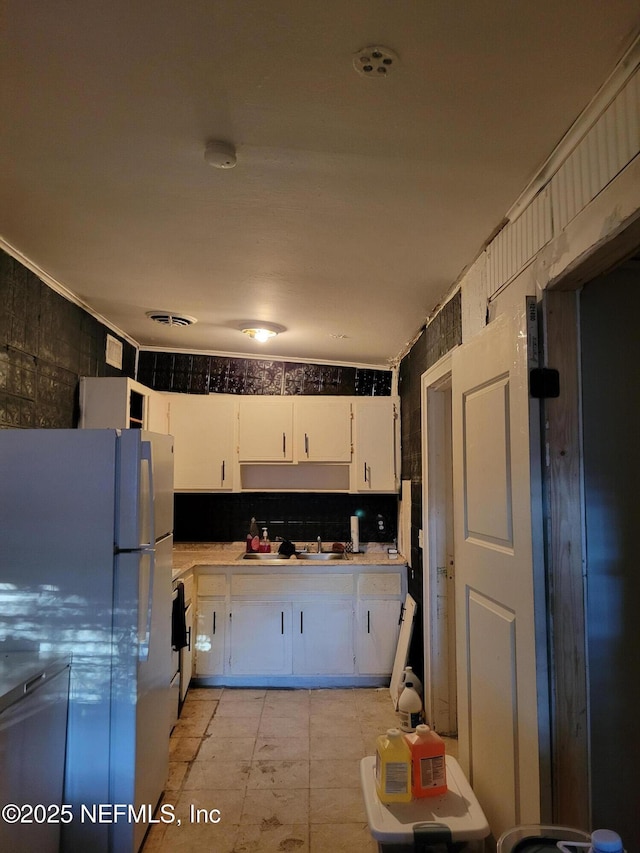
{"x": 299, "y": 516}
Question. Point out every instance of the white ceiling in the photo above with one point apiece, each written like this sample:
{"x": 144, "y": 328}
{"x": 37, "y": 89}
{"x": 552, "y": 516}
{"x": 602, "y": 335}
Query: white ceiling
{"x": 355, "y": 203}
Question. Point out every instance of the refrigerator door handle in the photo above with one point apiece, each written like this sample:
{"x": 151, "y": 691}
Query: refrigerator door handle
{"x": 146, "y": 606}
{"x": 147, "y": 507}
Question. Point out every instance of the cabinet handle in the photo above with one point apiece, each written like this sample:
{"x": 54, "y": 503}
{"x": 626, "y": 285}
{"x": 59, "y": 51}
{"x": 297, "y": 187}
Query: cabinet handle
{"x": 368, "y": 621}
{"x": 214, "y": 621}
{"x": 401, "y": 619}
{"x": 189, "y": 639}
{"x": 306, "y": 443}
{"x": 365, "y": 472}
{"x": 223, "y": 472}
{"x": 282, "y": 621}
{"x": 301, "y": 621}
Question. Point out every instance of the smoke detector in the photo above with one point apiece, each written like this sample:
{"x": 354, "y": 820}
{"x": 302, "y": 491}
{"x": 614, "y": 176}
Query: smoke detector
{"x": 220, "y": 155}
{"x": 168, "y": 318}
{"x": 375, "y": 61}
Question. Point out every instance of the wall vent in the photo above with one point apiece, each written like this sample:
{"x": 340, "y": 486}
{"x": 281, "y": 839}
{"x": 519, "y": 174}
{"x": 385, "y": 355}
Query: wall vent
{"x": 113, "y": 352}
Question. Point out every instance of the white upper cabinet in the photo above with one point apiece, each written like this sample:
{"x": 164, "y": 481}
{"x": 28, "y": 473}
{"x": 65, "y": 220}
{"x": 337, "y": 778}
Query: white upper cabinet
{"x": 116, "y": 402}
{"x": 376, "y": 444}
{"x": 265, "y": 429}
{"x": 322, "y": 429}
{"x": 203, "y": 431}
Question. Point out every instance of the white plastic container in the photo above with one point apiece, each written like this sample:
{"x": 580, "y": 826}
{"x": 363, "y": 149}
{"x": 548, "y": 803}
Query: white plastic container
{"x": 602, "y": 841}
{"x": 409, "y": 708}
{"x": 409, "y": 675}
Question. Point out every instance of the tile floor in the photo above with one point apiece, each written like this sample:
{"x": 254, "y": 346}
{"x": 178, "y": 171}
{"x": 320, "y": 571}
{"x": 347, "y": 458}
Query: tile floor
{"x": 280, "y": 766}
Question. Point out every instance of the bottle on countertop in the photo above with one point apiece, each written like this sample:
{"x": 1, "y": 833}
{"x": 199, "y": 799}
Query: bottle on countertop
{"x": 428, "y": 763}
{"x": 253, "y": 537}
{"x": 409, "y": 708}
{"x": 393, "y": 768}
{"x": 265, "y": 544}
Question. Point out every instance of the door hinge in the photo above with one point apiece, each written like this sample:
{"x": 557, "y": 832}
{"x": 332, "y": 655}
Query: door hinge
{"x": 544, "y": 383}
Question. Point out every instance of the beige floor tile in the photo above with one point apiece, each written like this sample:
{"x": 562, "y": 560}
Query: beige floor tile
{"x": 341, "y": 838}
{"x": 336, "y": 805}
{"x": 240, "y": 706}
{"x": 215, "y": 774}
{"x": 279, "y": 774}
{"x": 234, "y": 726}
{"x": 284, "y": 726}
{"x": 199, "y": 838}
{"x": 226, "y": 748}
{"x": 288, "y": 838}
{"x": 213, "y": 807}
{"x": 206, "y": 694}
{"x": 281, "y": 748}
{"x": 183, "y": 748}
{"x": 177, "y": 772}
{"x": 275, "y": 806}
{"x": 332, "y": 727}
{"x": 153, "y": 839}
{"x": 334, "y": 773}
{"x": 327, "y": 746}
{"x": 191, "y": 726}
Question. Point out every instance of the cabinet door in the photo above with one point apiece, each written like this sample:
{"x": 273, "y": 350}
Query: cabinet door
{"x": 377, "y": 635}
{"x": 265, "y": 429}
{"x": 186, "y": 654}
{"x": 211, "y": 624}
{"x": 323, "y": 429}
{"x": 260, "y": 638}
{"x": 375, "y": 445}
{"x": 323, "y": 637}
{"x": 202, "y": 427}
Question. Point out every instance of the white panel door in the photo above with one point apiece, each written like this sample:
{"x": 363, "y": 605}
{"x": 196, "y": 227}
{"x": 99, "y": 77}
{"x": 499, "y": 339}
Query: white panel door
{"x": 497, "y": 512}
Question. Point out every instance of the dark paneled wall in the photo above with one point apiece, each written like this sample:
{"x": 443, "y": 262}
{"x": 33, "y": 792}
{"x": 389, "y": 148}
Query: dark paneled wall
{"x": 46, "y": 344}
{"x": 441, "y": 335}
{"x": 300, "y": 517}
{"x": 204, "y": 374}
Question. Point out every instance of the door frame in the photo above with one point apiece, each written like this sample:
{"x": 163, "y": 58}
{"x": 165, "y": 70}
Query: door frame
{"x": 438, "y": 612}
{"x": 566, "y": 529}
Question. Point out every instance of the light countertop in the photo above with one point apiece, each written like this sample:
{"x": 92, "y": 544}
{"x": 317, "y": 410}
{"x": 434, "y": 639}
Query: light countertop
{"x": 187, "y": 555}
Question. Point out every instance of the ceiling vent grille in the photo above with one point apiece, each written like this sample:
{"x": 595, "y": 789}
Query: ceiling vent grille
{"x": 168, "y": 318}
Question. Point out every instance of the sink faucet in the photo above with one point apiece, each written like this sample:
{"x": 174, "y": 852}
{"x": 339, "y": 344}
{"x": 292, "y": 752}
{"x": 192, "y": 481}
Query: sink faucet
{"x": 319, "y": 545}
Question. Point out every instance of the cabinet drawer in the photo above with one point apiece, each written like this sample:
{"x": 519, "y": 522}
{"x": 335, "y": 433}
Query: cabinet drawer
{"x": 212, "y": 585}
{"x": 270, "y": 585}
{"x": 387, "y": 583}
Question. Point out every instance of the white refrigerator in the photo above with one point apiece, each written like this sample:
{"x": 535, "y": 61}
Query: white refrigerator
{"x": 86, "y": 534}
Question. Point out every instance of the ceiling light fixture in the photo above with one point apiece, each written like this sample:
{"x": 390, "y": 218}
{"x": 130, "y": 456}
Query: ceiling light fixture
{"x": 260, "y": 331}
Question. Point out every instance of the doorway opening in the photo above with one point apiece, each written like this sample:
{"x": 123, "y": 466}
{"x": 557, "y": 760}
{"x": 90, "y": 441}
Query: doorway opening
{"x": 438, "y": 615}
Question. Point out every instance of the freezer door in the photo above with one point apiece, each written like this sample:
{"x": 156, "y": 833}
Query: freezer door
{"x": 145, "y": 489}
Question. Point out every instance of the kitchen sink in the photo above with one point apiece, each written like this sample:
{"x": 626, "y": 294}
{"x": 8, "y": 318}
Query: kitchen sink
{"x": 263, "y": 556}
{"x": 301, "y": 555}
{"x": 324, "y": 555}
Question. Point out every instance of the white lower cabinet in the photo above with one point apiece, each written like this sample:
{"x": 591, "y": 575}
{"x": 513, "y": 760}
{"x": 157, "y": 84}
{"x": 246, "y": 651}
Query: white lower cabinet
{"x": 260, "y": 638}
{"x": 317, "y": 628}
{"x": 211, "y": 622}
{"x": 377, "y": 631}
{"x": 323, "y": 637}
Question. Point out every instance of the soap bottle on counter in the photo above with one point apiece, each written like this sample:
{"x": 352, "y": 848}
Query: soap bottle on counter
{"x": 265, "y": 544}
{"x": 253, "y": 537}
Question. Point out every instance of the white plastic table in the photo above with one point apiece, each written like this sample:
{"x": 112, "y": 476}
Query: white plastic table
{"x": 449, "y": 819}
